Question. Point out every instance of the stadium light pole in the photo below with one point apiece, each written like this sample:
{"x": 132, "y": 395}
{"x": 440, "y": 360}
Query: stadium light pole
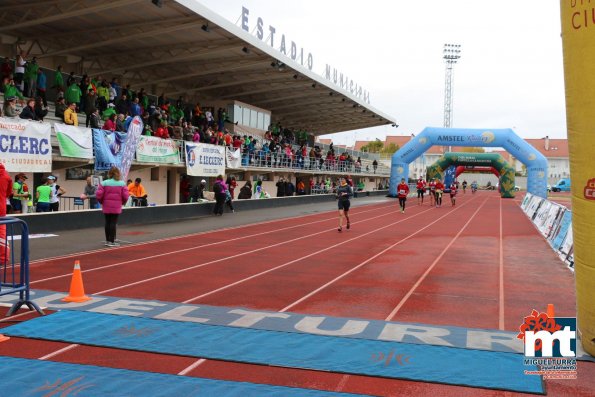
{"x": 451, "y": 54}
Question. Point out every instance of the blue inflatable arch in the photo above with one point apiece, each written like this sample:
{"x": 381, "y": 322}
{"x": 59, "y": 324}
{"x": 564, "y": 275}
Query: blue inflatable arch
{"x": 535, "y": 162}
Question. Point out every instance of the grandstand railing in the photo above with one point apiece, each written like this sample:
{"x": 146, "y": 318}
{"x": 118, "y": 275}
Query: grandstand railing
{"x": 14, "y": 263}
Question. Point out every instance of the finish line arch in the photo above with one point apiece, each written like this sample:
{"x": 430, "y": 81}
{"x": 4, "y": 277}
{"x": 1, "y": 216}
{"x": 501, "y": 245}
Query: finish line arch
{"x": 535, "y": 162}
{"x": 504, "y": 170}
{"x": 461, "y": 169}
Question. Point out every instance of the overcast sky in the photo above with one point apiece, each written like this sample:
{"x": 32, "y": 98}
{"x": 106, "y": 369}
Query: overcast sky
{"x": 510, "y": 74}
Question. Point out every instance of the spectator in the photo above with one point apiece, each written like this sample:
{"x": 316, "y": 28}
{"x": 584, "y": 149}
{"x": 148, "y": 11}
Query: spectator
{"x": 71, "y": 79}
{"x": 31, "y": 76}
{"x": 90, "y": 105}
{"x": 73, "y": 94}
{"x": 135, "y": 109}
{"x": 289, "y": 188}
{"x": 41, "y": 110}
{"x": 10, "y": 107}
{"x": 122, "y": 105}
{"x": 59, "y": 81}
{"x": 109, "y": 111}
{"x": 10, "y": 90}
{"x": 18, "y": 193}
{"x": 60, "y": 108}
{"x": 301, "y": 188}
{"x": 6, "y": 68}
{"x": 116, "y": 87}
{"x": 43, "y": 196}
{"x": 103, "y": 95}
{"x": 95, "y": 120}
{"x": 110, "y": 124}
{"x": 90, "y": 193}
{"x": 112, "y": 194}
{"x": 231, "y": 186}
{"x": 184, "y": 189}
{"x": 57, "y": 191}
{"x": 198, "y": 192}
{"x": 70, "y": 116}
{"x": 280, "y": 187}
{"x": 138, "y": 193}
{"x": 28, "y": 112}
{"x": 162, "y": 131}
{"x": 19, "y": 71}
{"x": 245, "y": 191}
{"x": 42, "y": 86}
{"x": 120, "y": 123}
{"x": 220, "y": 189}
{"x": 375, "y": 165}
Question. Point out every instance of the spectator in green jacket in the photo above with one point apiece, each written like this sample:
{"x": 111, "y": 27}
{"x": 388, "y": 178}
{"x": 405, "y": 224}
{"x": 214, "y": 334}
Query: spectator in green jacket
{"x": 59, "y": 80}
{"x": 31, "y": 77}
{"x": 73, "y": 94}
{"x": 10, "y": 90}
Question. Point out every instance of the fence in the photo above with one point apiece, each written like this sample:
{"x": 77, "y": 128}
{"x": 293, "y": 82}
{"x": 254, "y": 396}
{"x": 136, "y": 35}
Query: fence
{"x": 14, "y": 263}
{"x": 554, "y": 222}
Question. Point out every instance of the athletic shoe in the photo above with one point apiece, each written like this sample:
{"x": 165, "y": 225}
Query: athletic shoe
{"x": 402, "y": 211}
{"x": 348, "y": 225}
{"x": 340, "y": 229}
{"x": 110, "y": 244}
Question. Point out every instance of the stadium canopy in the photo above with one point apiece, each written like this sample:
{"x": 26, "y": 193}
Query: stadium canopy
{"x": 182, "y": 48}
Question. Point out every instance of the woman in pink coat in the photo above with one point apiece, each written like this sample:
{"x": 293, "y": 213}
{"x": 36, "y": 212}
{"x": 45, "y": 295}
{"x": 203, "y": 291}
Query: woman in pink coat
{"x": 112, "y": 194}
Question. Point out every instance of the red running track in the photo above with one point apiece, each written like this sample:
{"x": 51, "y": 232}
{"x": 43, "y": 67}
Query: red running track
{"x": 480, "y": 264}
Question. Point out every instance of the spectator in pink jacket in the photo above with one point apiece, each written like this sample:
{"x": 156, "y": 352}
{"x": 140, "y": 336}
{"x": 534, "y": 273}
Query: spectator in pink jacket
{"x": 112, "y": 194}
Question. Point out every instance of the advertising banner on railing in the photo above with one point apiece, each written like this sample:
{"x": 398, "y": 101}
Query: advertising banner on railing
{"x": 157, "y": 150}
{"x": 25, "y": 146}
{"x": 109, "y": 149}
{"x": 204, "y": 160}
{"x": 74, "y": 141}
{"x": 233, "y": 158}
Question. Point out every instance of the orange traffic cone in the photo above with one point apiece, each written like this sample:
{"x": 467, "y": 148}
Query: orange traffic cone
{"x": 77, "y": 291}
{"x": 550, "y": 310}
{"x": 3, "y": 338}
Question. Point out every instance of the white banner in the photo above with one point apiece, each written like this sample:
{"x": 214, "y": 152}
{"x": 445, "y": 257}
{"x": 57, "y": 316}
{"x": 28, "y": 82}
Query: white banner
{"x": 233, "y": 158}
{"x": 135, "y": 129}
{"x": 204, "y": 160}
{"x": 74, "y": 141}
{"x": 25, "y": 145}
{"x": 157, "y": 150}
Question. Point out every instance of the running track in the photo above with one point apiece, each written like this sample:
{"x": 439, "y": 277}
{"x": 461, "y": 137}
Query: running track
{"x": 480, "y": 264}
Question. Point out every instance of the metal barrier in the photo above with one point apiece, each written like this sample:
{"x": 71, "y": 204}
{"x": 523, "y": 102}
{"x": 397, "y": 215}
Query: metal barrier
{"x": 13, "y": 280}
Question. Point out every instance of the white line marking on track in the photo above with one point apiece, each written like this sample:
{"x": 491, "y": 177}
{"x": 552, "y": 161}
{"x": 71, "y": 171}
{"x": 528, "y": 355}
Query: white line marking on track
{"x": 501, "y": 281}
{"x": 64, "y": 349}
{"x": 187, "y": 249}
{"x": 192, "y": 366}
{"x": 369, "y": 259}
{"x": 429, "y": 269}
{"x": 225, "y": 258}
{"x": 78, "y": 254}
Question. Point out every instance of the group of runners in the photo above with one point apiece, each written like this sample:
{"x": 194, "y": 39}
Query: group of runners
{"x": 436, "y": 189}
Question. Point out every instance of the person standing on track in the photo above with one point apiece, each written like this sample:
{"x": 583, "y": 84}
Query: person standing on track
{"x": 344, "y": 192}
{"x": 453, "y": 192}
{"x": 112, "y": 194}
{"x": 421, "y": 190}
{"x": 473, "y": 187}
{"x": 432, "y": 193}
{"x": 464, "y": 186}
{"x": 439, "y": 191}
{"x": 402, "y": 192}
{"x": 220, "y": 190}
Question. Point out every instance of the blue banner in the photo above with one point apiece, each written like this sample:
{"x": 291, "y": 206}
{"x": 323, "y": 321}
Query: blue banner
{"x": 565, "y": 224}
{"x": 109, "y": 148}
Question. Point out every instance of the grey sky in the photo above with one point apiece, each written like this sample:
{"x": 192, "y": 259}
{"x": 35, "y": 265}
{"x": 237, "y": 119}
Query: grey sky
{"x": 510, "y": 73}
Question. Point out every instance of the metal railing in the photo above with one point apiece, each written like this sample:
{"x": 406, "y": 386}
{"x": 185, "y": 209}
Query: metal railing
{"x": 13, "y": 280}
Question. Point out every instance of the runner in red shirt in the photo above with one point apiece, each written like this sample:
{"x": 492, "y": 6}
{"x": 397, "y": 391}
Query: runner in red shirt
{"x": 432, "y": 186}
{"x": 439, "y": 191}
{"x": 453, "y": 192}
{"x": 421, "y": 189}
{"x": 402, "y": 192}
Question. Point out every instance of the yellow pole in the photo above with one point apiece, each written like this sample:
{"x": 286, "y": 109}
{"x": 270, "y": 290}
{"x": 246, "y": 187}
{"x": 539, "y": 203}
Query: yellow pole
{"x": 578, "y": 38}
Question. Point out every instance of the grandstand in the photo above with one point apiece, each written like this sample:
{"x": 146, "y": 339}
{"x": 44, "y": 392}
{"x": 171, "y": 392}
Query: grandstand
{"x": 184, "y": 53}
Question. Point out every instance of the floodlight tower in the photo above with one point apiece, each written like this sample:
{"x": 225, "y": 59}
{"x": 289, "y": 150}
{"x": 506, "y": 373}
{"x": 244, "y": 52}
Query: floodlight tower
{"x": 450, "y": 54}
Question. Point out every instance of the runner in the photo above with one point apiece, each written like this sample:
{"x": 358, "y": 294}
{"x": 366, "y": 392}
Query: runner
{"x": 402, "y": 192}
{"x": 432, "y": 193}
{"x": 439, "y": 191}
{"x": 453, "y": 192}
{"x": 464, "y": 186}
{"x": 473, "y": 187}
{"x": 344, "y": 192}
{"x": 421, "y": 189}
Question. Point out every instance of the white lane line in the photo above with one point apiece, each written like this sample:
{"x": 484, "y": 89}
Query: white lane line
{"x": 186, "y": 249}
{"x": 429, "y": 269}
{"x": 501, "y": 291}
{"x": 225, "y": 258}
{"x": 64, "y": 349}
{"x": 369, "y": 259}
{"x": 79, "y": 254}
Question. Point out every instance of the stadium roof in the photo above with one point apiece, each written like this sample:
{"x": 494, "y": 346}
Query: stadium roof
{"x": 183, "y": 48}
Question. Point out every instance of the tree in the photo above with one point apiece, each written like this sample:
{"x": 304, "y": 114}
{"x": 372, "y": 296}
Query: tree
{"x": 373, "y": 147}
{"x": 390, "y": 149}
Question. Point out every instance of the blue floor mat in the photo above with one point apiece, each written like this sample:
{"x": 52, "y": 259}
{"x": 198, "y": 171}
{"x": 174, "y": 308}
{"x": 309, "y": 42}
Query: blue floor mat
{"x": 34, "y": 378}
{"x": 476, "y": 368}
